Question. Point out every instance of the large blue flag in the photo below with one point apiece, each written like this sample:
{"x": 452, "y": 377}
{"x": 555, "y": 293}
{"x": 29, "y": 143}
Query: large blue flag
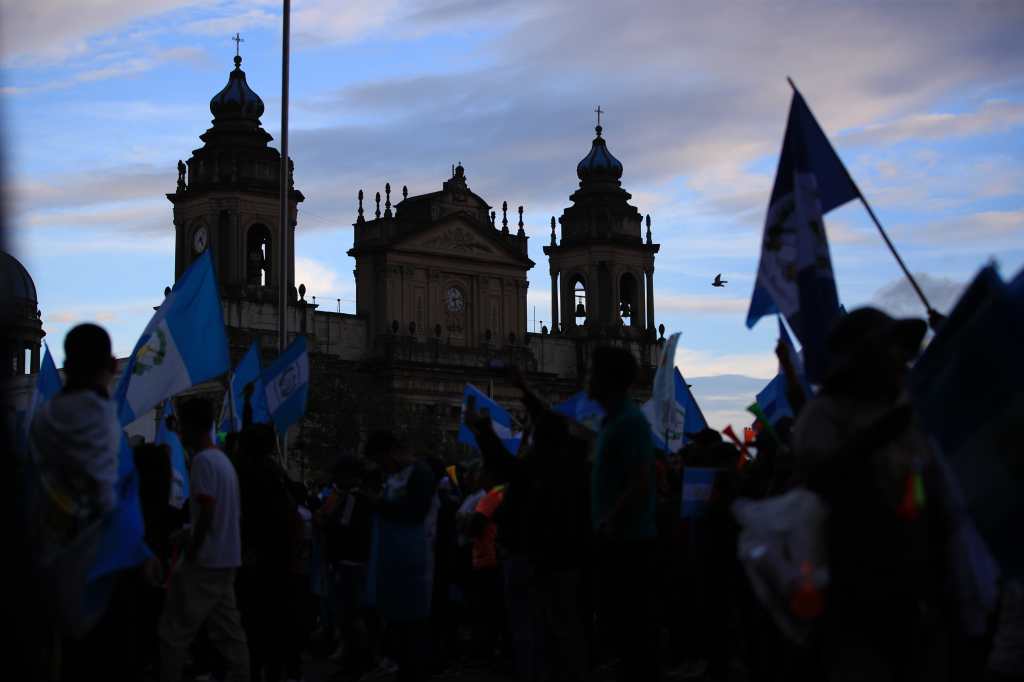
{"x": 286, "y": 385}
{"x": 248, "y": 372}
{"x": 501, "y": 420}
{"x": 794, "y": 276}
{"x": 967, "y": 389}
{"x": 184, "y": 344}
{"x": 179, "y": 469}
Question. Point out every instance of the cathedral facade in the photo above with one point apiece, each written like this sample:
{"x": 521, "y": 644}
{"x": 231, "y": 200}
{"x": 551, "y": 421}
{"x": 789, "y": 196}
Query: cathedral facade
{"x": 441, "y": 286}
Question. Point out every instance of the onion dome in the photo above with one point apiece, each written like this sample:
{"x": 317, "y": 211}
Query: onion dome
{"x": 15, "y": 281}
{"x": 237, "y": 101}
{"x": 599, "y": 165}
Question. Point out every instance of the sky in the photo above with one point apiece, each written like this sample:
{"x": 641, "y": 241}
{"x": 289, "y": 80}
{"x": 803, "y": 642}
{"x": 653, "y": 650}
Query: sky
{"x": 923, "y": 101}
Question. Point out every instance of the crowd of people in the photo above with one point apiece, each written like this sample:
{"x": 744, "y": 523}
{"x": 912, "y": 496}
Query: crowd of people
{"x": 836, "y": 547}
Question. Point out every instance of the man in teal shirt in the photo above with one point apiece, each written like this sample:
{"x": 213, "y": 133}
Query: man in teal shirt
{"x": 622, "y": 513}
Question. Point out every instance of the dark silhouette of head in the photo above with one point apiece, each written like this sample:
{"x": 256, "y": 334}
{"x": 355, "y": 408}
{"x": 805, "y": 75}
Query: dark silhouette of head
{"x": 88, "y": 362}
{"x": 388, "y": 450}
{"x": 869, "y": 352}
{"x": 195, "y": 418}
{"x": 258, "y": 441}
{"x": 613, "y": 370}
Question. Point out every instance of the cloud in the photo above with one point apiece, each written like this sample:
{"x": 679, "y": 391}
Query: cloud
{"x": 90, "y": 188}
{"x": 694, "y": 362}
{"x": 52, "y": 31}
{"x": 993, "y": 116}
{"x": 899, "y": 299}
{"x": 321, "y": 280}
{"x": 117, "y": 69}
{"x": 105, "y": 313}
{"x": 696, "y": 303}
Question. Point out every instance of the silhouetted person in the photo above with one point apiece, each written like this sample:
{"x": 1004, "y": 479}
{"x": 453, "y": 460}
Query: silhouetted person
{"x": 74, "y": 442}
{"x": 622, "y": 512}
{"x": 404, "y": 572}
{"x": 202, "y": 588}
{"x": 896, "y": 530}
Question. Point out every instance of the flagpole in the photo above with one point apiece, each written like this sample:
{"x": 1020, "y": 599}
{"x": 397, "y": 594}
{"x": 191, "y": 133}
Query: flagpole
{"x": 285, "y": 217}
{"x": 888, "y": 242}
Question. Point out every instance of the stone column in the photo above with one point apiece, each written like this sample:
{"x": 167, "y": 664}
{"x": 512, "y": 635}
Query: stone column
{"x": 554, "y": 301}
{"x": 35, "y": 358}
{"x": 650, "y": 298}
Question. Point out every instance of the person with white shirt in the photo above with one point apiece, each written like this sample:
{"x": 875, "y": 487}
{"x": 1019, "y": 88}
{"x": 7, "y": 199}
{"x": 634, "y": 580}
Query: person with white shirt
{"x": 202, "y": 587}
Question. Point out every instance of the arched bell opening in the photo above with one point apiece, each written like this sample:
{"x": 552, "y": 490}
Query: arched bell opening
{"x": 629, "y": 300}
{"x": 258, "y": 256}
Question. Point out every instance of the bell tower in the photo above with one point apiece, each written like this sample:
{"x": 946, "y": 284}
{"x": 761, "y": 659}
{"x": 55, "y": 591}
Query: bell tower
{"x": 602, "y": 270}
{"x": 227, "y": 198}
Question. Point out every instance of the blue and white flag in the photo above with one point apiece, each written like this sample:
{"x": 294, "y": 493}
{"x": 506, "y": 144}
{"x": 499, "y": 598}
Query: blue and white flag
{"x": 286, "y": 385}
{"x": 581, "y": 409}
{"x": 48, "y": 384}
{"x": 501, "y": 420}
{"x": 248, "y": 372}
{"x": 179, "y": 469}
{"x": 686, "y": 417}
{"x": 795, "y": 277}
{"x": 698, "y": 486}
{"x": 183, "y": 345}
{"x": 664, "y": 412}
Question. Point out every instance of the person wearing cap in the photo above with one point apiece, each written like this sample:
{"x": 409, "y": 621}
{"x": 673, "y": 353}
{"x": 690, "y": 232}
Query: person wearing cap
{"x": 859, "y": 445}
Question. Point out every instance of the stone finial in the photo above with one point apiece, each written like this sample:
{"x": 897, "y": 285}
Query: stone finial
{"x": 387, "y": 200}
{"x": 554, "y": 241}
{"x": 359, "y": 216}
{"x": 521, "y": 232}
{"x": 504, "y": 217}
{"x": 378, "y": 205}
{"x": 493, "y": 216}
{"x": 302, "y": 292}
{"x": 405, "y": 192}
{"x": 648, "y": 220}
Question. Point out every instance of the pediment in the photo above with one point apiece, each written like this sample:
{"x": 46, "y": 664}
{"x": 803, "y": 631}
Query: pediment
{"x": 460, "y": 237}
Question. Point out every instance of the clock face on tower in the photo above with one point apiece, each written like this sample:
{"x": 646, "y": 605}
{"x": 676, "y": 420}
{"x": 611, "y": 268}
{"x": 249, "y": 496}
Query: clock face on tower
{"x": 200, "y": 239}
{"x": 455, "y": 301}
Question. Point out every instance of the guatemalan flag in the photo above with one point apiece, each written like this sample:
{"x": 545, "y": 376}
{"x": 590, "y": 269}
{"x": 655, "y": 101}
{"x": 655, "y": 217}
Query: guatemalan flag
{"x": 183, "y": 345}
{"x": 286, "y": 385}
{"x": 501, "y": 420}
{"x": 795, "y": 277}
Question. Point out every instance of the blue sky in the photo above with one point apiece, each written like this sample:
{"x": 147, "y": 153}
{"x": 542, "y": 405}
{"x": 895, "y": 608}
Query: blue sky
{"x": 924, "y": 102}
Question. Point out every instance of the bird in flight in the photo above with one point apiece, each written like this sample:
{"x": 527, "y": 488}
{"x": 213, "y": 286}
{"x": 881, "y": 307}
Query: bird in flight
{"x": 719, "y": 282}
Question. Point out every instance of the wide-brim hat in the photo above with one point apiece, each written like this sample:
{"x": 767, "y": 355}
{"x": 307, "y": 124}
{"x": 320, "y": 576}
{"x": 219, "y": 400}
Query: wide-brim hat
{"x": 869, "y": 328}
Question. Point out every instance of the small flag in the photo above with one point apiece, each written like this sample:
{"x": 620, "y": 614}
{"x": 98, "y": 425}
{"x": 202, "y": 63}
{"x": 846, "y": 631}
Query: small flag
{"x": 179, "y": 469}
{"x": 501, "y": 420}
{"x": 248, "y": 372}
{"x": 48, "y": 384}
{"x": 698, "y": 484}
{"x": 794, "y": 276}
{"x": 686, "y": 417}
{"x": 286, "y": 385}
{"x": 581, "y": 409}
